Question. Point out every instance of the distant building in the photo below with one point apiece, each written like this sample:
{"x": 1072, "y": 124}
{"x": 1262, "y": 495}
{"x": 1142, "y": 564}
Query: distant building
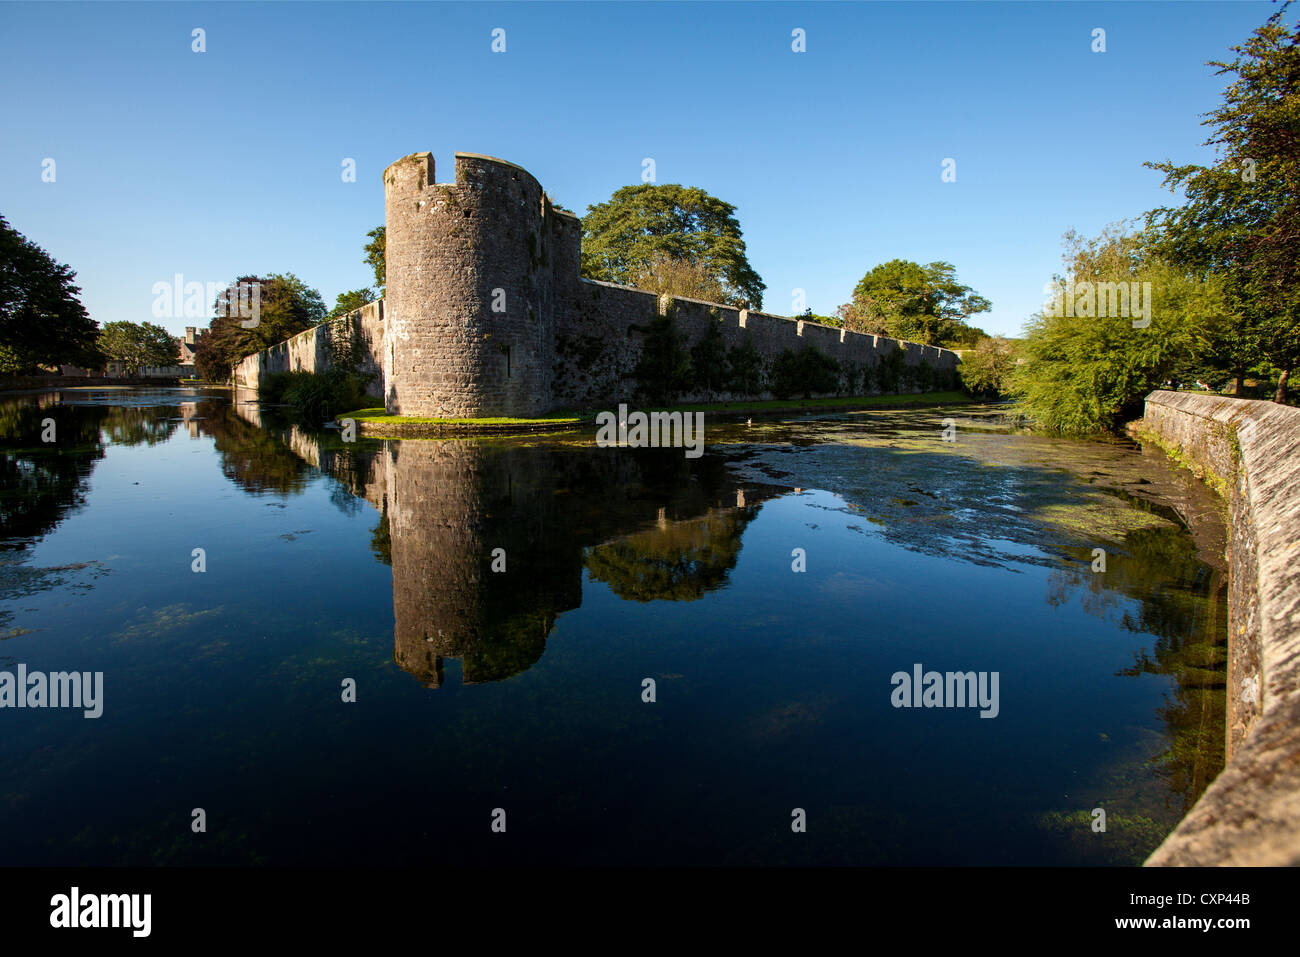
{"x": 188, "y": 344}
{"x": 184, "y": 368}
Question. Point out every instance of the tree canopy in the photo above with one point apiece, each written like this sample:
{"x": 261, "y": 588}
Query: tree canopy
{"x": 375, "y": 251}
{"x": 1240, "y": 219}
{"x": 42, "y": 319}
{"x": 643, "y": 227}
{"x": 287, "y": 306}
{"x": 905, "y": 300}
{"x": 351, "y": 300}
{"x": 136, "y": 345}
{"x": 1084, "y": 372}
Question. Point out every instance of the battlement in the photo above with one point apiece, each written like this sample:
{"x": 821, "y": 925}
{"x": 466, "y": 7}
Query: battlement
{"x": 486, "y": 312}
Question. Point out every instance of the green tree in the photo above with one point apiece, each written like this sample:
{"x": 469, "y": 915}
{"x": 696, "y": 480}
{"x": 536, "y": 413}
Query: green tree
{"x": 351, "y": 300}
{"x": 807, "y": 371}
{"x": 986, "y": 369}
{"x": 1085, "y": 373}
{"x": 641, "y": 224}
{"x": 1240, "y": 219}
{"x": 745, "y": 368}
{"x": 664, "y": 369}
{"x": 709, "y": 360}
{"x": 374, "y": 251}
{"x": 905, "y": 300}
{"x": 42, "y": 320}
{"x": 809, "y": 316}
{"x": 286, "y": 307}
{"x": 136, "y": 345}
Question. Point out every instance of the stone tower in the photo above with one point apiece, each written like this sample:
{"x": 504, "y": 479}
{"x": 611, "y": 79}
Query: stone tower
{"x": 469, "y": 302}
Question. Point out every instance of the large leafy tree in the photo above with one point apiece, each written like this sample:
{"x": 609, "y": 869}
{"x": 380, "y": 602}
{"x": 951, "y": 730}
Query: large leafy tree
{"x": 351, "y": 300}
{"x": 643, "y": 227}
{"x": 1086, "y": 373}
{"x": 42, "y": 320}
{"x": 1240, "y": 219}
{"x": 138, "y": 344}
{"x": 905, "y": 300}
{"x": 287, "y": 306}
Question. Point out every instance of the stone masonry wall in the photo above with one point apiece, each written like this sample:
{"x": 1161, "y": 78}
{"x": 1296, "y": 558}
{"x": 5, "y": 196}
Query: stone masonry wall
{"x": 1250, "y": 451}
{"x": 469, "y": 289}
{"x": 309, "y": 351}
{"x": 600, "y": 336}
{"x": 486, "y": 313}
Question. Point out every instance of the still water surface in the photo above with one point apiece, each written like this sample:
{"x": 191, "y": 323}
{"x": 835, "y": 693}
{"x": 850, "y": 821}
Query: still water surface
{"x": 523, "y": 690}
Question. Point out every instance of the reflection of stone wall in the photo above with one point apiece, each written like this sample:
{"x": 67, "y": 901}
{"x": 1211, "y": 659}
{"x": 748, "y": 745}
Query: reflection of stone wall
{"x": 1251, "y": 452}
{"x": 449, "y": 504}
{"x": 662, "y": 527}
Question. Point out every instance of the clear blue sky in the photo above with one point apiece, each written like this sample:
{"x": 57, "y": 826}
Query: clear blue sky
{"x": 228, "y": 162}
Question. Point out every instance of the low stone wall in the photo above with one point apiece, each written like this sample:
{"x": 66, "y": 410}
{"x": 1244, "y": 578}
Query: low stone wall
{"x": 309, "y": 351}
{"x": 1250, "y": 452}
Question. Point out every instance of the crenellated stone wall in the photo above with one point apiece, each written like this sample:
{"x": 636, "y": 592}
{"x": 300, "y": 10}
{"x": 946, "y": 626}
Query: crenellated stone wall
{"x": 486, "y": 312}
{"x": 1250, "y": 452}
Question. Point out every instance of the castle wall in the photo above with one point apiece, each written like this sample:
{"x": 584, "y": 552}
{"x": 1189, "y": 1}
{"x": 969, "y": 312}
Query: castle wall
{"x": 309, "y": 351}
{"x": 486, "y": 313}
{"x": 600, "y": 332}
{"x": 469, "y": 290}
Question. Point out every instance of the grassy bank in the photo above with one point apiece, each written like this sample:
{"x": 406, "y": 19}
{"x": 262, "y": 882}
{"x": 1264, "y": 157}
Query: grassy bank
{"x": 378, "y": 422}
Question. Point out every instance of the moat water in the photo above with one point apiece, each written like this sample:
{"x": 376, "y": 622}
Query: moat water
{"x": 374, "y": 564}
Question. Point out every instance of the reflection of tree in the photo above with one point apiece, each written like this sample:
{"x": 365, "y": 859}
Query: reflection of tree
{"x": 676, "y": 561}
{"x": 380, "y": 541}
{"x": 250, "y": 456}
{"x": 446, "y": 506}
{"x": 40, "y": 482}
{"x": 1158, "y": 586}
{"x": 139, "y": 425}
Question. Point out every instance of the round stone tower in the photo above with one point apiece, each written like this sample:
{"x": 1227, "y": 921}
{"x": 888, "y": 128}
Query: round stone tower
{"x": 469, "y": 309}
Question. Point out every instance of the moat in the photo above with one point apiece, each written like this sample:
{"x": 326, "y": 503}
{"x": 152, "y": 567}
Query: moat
{"x": 521, "y": 687}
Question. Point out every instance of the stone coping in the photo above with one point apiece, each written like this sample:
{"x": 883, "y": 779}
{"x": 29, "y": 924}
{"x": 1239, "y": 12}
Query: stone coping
{"x": 1250, "y": 814}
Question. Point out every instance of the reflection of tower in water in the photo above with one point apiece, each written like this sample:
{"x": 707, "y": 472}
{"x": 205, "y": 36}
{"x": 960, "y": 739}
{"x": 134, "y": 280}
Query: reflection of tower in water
{"x": 450, "y": 505}
{"x": 649, "y": 523}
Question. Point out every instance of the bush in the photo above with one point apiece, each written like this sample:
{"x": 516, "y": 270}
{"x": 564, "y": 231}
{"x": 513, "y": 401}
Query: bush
{"x": 920, "y": 376}
{"x": 986, "y": 370}
{"x": 709, "y": 360}
{"x": 315, "y": 396}
{"x": 745, "y": 376}
{"x": 889, "y": 371}
{"x": 664, "y": 369}
{"x": 806, "y": 372}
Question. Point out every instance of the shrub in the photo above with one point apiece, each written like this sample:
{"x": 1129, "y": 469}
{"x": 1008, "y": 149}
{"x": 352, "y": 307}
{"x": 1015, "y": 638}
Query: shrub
{"x": 889, "y": 371}
{"x": 315, "y": 396}
{"x": 806, "y": 372}
{"x": 985, "y": 370}
{"x": 745, "y": 375}
{"x": 664, "y": 369}
{"x": 709, "y": 360}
